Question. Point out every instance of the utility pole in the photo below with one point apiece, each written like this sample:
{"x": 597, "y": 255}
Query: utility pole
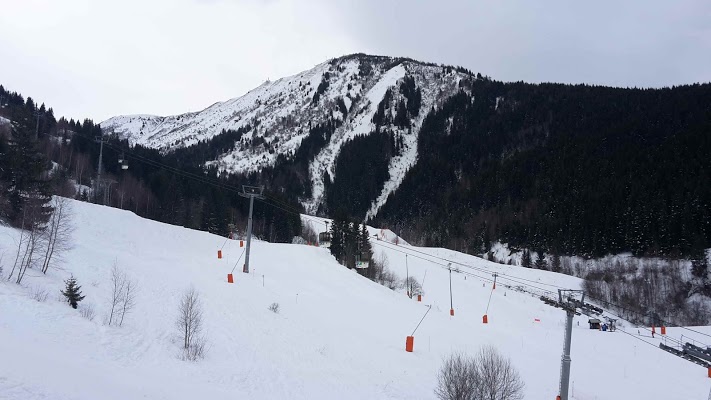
{"x": 451, "y": 304}
{"x": 570, "y": 308}
{"x": 99, "y": 139}
{"x": 495, "y": 275}
{"x": 407, "y": 277}
{"x": 251, "y": 192}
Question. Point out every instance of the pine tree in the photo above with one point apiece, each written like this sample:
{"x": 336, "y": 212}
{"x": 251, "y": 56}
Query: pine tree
{"x": 72, "y": 292}
{"x": 699, "y": 264}
{"x": 26, "y": 188}
{"x": 540, "y": 261}
{"x": 555, "y": 264}
{"x": 526, "y": 259}
{"x": 337, "y": 245}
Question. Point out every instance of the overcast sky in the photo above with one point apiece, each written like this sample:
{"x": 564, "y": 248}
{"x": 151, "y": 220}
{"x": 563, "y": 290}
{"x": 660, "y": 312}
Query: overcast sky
{"x": 97, "y": 59}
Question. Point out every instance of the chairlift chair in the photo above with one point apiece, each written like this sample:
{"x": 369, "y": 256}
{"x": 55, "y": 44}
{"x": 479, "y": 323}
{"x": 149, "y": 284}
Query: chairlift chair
{"x": 123, "y": 162}
{"x": 324, "y": 239}
{"x": 362, "y": 260}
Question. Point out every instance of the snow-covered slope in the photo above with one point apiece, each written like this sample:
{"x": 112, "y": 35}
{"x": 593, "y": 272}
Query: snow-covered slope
{"x": 337, "y": 335}
{"x": 279, "y": 115}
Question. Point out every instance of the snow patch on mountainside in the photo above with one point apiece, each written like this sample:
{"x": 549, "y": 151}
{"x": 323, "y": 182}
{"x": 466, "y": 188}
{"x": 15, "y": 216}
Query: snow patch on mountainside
{"x": 277, "y": 116}
{"x": 360, "y": 125}
{"x": 432, "y": 96}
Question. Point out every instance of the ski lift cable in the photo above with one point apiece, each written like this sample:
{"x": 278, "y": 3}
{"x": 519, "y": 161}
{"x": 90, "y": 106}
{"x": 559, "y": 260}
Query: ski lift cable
{"x": 489, "y": 302}
{"x": 400, "y": 249}
{"x": 169, "y": 168}
{"x": 231, "y": 188}
{"x": 481, "y": 269}
{"x": 221, "y": 185}
{"x": 225, "y": 242}
{"x": 666, "y": 323}
{"x": 240, "y": 257}
{"x": 429, "y": 307}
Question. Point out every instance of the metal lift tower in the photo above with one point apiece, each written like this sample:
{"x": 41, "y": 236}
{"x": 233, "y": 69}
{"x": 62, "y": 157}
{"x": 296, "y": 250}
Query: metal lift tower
{"x": 251, "y": 192}
{"x": 569, "y": 306}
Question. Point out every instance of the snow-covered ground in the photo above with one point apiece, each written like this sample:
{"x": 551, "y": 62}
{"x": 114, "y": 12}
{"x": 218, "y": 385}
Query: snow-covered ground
{"x": 337, "y": 335}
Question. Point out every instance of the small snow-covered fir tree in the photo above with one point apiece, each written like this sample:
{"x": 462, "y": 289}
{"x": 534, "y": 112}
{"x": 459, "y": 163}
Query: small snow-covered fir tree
{"x": 72, "y": 292}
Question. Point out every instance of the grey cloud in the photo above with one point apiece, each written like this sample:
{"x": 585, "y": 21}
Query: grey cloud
{"x": 634, "y": 43}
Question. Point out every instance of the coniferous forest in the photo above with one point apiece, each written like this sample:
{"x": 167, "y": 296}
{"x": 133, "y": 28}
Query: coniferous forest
{"x": 149, "y": 187}
{"x": 571, "y": 169}
{"x": 561, "y": 169}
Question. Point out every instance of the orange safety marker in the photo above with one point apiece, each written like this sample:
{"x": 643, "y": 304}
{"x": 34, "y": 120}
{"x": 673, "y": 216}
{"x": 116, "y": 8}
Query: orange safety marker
{"x": 664, "y": 330}
{"x": 709, "y": 372}
{"x": 486, "y": 319}
{"x": 451, "y": 311}
{"x": 230, "y": 279}
{"x": 419, "y": 297}
{"x": 241, "y": 243}
{"x": 536, "y": 320}
{"x": 219, "y": 254}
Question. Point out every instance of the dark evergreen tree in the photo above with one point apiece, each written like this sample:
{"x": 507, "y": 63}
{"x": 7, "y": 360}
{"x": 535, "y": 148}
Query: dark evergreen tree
{"x": 526, "y": 259}
{"x": 589, "y": 170}
{"x": 26, "y": 185}
{"x": 337, "y": 247}
{"x": 72, "y": 292}
{"x": 555, "y": 263}
{"x": 541, "y": 261}
{"x": 699, "y": 264}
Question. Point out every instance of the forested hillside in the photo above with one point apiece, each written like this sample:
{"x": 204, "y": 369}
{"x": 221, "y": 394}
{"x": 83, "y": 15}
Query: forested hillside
{"x": 564, "y": 169}
{"x": 466, "y": 161}
{"x": 31, "y": 140}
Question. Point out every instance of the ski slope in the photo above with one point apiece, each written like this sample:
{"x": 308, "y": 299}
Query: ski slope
{"x": 337, "y": 335}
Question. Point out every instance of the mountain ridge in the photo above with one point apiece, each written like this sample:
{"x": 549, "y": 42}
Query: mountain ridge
{"x": 348, "y": 90}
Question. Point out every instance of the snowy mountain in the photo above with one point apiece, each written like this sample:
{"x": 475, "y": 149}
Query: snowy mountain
{"x": 278, "y": 114}
{"x": 337, "y": 334}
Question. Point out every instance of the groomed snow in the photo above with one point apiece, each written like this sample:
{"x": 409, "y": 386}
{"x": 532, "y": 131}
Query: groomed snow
{"x": 337, "y": 336}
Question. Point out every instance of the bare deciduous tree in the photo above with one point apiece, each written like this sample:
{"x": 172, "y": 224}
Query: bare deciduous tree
{"x": 456, "y": 379}
{"x": 189, "y": 324}
{"x": 31, "y": 236}
{"x": 412, "y": 286}
{"x": 123, "y": 296}
{"x": 498, "y": 379}
{"x": 58, "y": 235}
{"x": 129, "y": 299}
{"x": 87, "y": 311}
{"x": 487, "y": 376}
{"x": 39, "y": 294}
